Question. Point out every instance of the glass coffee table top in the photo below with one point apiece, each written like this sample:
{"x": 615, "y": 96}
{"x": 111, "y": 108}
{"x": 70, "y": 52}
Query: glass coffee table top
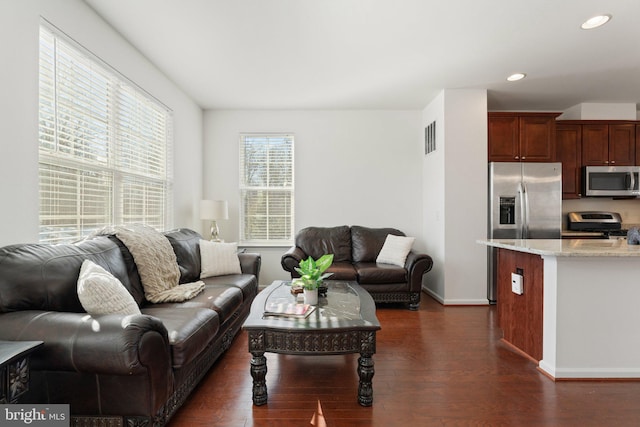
{"x": 345, "y": 305}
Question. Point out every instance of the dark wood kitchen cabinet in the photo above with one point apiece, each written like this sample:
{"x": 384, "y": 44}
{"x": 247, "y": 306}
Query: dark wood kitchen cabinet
{"x": 521, "y": 137}
{"x": 569, "y": 144}
{"x": 593, "y": 143}
{"x": 608, "y": 144}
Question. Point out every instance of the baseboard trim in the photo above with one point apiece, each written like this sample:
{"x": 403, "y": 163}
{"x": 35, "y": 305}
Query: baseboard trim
{"x": 445, "y": 301}
{"x": 466, "y": 302}
{"x": 568, "y": 374}
{"x": 433, "y": 295}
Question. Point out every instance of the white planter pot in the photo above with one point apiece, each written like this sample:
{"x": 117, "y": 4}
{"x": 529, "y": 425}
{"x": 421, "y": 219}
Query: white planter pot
{"x": 311, "y": 296}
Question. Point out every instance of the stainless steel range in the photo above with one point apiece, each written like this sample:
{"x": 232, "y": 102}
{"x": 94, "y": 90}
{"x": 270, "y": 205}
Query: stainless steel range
{"x": 607, "y": 223}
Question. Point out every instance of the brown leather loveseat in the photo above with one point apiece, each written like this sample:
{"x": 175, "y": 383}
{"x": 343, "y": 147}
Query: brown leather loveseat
{"x": 355, "y": 250}
{"x": 133, "y": 370}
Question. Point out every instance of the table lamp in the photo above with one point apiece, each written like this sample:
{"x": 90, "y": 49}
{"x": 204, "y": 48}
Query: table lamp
{"x": 214, "y": 210}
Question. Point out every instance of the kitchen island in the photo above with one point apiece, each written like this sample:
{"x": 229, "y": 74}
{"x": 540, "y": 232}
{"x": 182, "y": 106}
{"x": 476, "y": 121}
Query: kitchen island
{"x": 579, "y": 311}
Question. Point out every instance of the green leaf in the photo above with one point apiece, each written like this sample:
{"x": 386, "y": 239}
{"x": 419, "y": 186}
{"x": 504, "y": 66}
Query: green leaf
{"x": 311, "y": 271}
{"x": 324, "y": 262}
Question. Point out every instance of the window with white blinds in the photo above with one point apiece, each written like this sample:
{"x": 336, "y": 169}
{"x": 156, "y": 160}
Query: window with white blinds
{"x": 266, "y": 189}
{"x": 104, "y": 146}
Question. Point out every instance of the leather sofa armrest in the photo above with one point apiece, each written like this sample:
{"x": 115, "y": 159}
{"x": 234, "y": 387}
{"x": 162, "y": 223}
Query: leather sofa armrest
{"x": 107, "y": 344}
{"x": 291, "y": 259}
{"x": 250, "y": 263}
{"x": 417, "y": 265}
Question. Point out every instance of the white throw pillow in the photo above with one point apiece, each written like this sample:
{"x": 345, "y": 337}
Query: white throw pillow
{"x": 100, "y": 292}
{"x": 217, "y": 259}
{"x": 395, "y": 250}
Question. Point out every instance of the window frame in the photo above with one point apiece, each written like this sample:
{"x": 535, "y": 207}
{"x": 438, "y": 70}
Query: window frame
{"x": 123, "y": 134}
{"x": 245, "y": 240}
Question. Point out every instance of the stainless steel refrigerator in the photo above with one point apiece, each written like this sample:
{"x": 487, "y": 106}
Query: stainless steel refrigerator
{"x": 525, "y": 202}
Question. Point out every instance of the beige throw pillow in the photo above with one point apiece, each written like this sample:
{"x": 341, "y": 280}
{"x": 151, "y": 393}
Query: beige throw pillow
{"x": 218, "y": 259}
{"x": 100, "y": 292}
{"x": 395, "y": 250}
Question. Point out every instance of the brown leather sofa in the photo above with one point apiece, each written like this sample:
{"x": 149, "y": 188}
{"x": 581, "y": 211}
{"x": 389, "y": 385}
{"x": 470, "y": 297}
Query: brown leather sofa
{"x": 355, "y": 250}
{"x": 112, "y": 369}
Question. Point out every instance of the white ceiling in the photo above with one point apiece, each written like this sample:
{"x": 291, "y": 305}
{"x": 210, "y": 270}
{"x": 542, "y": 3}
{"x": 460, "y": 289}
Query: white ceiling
{"x": 385, "y": 54}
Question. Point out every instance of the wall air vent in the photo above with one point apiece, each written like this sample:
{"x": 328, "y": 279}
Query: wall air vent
{"x": 430, "y": 138}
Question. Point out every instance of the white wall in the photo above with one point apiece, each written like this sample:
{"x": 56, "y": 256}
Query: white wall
{"x": 433, "y": 199}
{"x": 455, "y": 196}
{"x": 19, "y": 29}
{"x": 351, "y": 168}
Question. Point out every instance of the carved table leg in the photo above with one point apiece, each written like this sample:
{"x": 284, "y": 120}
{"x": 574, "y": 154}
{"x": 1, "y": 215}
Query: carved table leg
{"x": 365, "y": 372}
{"x": 259, "y": 372}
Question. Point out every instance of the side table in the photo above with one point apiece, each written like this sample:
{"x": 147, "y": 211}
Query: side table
{"x": 14, "y": 368}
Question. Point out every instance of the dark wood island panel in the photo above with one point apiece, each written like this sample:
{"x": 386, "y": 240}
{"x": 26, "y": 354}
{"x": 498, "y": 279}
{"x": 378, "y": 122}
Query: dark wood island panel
{"x": 520, "y": 316}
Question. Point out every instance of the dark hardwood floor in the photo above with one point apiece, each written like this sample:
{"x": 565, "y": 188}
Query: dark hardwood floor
{"x": 439, "y": 366}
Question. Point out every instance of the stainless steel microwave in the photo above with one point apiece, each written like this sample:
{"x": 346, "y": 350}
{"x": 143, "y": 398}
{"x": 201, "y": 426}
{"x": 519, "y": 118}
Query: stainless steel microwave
{"x": 611, "y": 180}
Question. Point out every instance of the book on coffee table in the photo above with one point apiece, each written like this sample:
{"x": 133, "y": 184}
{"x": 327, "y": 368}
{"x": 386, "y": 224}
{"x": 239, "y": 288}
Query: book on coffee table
{"x": 288, "y": 309}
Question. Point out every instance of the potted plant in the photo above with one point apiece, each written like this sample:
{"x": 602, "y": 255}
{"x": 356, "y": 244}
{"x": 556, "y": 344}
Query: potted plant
{"x": 312, "y": 272}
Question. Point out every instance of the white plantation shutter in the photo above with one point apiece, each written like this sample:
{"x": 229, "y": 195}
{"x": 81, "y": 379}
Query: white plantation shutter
{"x": 104, "y": 146}
{"x": 266, "y": 189}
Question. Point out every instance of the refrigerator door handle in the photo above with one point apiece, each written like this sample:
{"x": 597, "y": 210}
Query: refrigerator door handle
{"x": 522, "y": 220}
{"x": 526, "y": 213}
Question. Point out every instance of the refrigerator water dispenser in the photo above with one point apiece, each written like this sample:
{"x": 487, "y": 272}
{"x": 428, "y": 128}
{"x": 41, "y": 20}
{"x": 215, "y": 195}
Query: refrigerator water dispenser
{"x": 507, "y": 210}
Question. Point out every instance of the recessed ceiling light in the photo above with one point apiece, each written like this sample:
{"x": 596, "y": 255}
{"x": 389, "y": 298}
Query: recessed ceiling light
{"x": 517, "y": 76}
{"x": 595, "y": 22}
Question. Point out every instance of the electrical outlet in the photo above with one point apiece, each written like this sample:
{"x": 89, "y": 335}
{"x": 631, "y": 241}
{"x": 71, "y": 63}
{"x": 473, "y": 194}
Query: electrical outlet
{"x": 516, "y": 284}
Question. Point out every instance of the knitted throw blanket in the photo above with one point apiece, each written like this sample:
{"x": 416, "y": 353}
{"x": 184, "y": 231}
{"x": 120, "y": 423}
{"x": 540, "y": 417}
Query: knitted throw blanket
{"x": 157, "y": 264}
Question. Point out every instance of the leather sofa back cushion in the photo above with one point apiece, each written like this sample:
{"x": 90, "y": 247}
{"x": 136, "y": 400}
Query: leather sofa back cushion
{"x": 44, "y": 277}
{"x": 186, "y": 246}
{"x": 317, "y": 241}
{"x": 367, "y": 242}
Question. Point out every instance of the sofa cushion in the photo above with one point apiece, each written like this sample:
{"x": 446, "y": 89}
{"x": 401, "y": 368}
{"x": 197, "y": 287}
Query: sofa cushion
{"x": 372, "y": 273}
{"x": 218, "y": 259}
{"x": 23, "y": 268}
{"x": 367, "y": 242}
{"x": 342, "y": 271}
{"x": 102, "y": 293}
{"x": 190, "y": 329}
{"x": 185, "y": 244}
{"x": 247, "y": 283}
{"x": 318, "y": 241}
{"x": 224, "y": 300}
{"x": 395, "y": 250}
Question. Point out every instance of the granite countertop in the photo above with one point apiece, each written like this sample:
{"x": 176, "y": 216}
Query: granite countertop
{"x": 568, "y": 247}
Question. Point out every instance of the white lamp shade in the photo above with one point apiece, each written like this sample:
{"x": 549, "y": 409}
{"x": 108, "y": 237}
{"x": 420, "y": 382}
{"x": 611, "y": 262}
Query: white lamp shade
{"x": 214, "y": 209}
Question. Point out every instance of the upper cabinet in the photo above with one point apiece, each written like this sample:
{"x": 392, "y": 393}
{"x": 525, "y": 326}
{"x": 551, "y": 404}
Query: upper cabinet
{"x": 538, "y": 137}
{"x": 522, "y": 137}
{"x": 593, "y": 143}
{"x": 569, "y": 143}
{"x": 608, "y": 145}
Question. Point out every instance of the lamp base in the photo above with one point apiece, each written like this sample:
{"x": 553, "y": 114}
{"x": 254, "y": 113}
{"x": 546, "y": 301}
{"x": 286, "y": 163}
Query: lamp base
{"x": 215, "y": 233}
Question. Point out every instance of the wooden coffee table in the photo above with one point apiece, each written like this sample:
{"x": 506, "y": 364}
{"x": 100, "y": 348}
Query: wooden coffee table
{"x": 344, "y": 322}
